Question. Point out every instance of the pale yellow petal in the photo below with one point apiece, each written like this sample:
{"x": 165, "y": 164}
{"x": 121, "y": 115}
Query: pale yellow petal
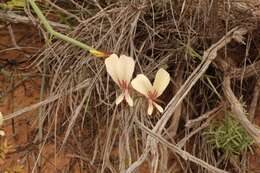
{"x": 111, "y": 65}
{"x": 126, "y": 66}
{"x": 161, "y": 81}
{"x": 1, "y": 118}
{"x": 120, "y": 98}
{"x": 150, "y": 108}
{"x": 129, "y": 100}
{"x": 158, "y": 107}
{"x": 2, "y": 133}
{"x": 142, "y": 84}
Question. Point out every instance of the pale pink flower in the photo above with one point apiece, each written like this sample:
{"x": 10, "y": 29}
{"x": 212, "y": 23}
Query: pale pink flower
{"x": 142, "y": 84}
{"x": 121, "y": 71}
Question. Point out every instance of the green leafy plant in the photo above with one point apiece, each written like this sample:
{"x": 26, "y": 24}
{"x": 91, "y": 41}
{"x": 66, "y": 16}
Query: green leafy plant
{"x": 228, "y": 135}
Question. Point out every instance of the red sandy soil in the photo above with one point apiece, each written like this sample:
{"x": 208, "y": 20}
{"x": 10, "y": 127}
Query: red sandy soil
{"x": 21, "y": 134}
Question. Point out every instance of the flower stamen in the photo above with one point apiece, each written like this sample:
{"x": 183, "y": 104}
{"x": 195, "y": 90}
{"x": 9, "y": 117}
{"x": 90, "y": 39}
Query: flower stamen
{"x": 123, "y": 84}
{"x": 152, "y": 94}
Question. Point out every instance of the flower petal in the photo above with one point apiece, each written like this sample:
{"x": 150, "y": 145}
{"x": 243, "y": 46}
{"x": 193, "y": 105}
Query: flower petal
{"x": 142, "y": 84}
{"x": 1, "y": 118}
{"x": 2, "y": 133}
{"x": 126, "y": 66}
{"x": 150, "y": 108}
{"x": 158, "y": 107}
{"x": 161, "y": 81}
{"x": 128, "y": 99}
{"x": 120, "y": 98}
{"x": 111, "y": 65}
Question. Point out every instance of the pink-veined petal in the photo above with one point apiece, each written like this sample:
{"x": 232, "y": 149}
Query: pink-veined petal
{"x": 158, "y": 107}
{"x": 112, "y": 65}
{"x": 129, "y": 100}
{"x": 142, "y": 84}
{"x": 120, "y": 98}
{"x": 161, "y": 81}
{"x": 150, "y": 108}
{"x": 126, "y": 66}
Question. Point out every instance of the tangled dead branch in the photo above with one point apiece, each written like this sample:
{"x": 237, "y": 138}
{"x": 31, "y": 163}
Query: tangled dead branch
{"x": 239, "y": 111}
{"x": 79, "y": 108}
{"x": 208, "y": 56}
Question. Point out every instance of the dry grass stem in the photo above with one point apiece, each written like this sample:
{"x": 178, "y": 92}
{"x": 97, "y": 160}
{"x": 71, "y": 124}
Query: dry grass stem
{"x": 46, "y": 101}
{"x": 246, "y": 72}
{"x": 16, "y": 18}
{"x": 199, "y": 43}
{"x": 208, "y": 56}
{"x": 255, "y": 99}
{"x": 191, "y": 123}
{"x": 185, "y": 155}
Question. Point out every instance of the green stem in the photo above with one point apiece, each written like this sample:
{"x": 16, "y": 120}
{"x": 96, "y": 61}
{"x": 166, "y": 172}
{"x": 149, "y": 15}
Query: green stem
{"x": 62, "y": 36}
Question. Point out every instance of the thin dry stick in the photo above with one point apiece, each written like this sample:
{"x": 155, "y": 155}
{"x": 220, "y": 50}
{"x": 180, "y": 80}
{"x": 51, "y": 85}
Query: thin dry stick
{"x": 108, "y": 143}
{"x": 239, "y": 111}
{"x": 75, "y": 115}
{"x": 183, "y": 141}
{"x": 254, "y": 101}
{"x": 177, "y": 114}
{"x": 184, "y": 154}
{"x": 16, "y": 18}
{"x": 47, "y": 101}
{"x": 64, "y": 11}
{"x": 224, "y": 65}
{"x": 12, "y": 35}
{"x": 193, "y": 122}
{"x": 247, "y": 71}
{"x": 208, "y": 56}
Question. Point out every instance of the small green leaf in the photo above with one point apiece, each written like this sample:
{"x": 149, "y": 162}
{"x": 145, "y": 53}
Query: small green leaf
{"x": 228, "y": 135}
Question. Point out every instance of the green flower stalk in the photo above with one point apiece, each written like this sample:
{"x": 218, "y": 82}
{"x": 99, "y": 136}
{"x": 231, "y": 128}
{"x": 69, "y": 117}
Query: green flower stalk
{"x": 56, "y": 34}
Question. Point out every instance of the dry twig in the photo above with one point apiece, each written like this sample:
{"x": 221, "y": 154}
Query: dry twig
{"x": 239, "y": 111}
{"x": 208, "y": 56}
{"x": 254, "y": 101}
{"x": 184, "y": 154}
{"x": 16, "y": 18}
{"x": 47, "y": 101}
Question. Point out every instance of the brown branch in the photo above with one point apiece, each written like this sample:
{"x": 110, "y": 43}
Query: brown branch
{"x": 183, "y": 141}
{"x": 239, "y": 111}
{"x": 177, "y": 114}
{"x": 184, "y": 154}
{"x": 254, "y": 101}
{"x": 15, "y": 18}
{"x": 246, "y": 72}
{"x": 236, "y": 73}
{"x": 208, "y": 56}
{"x": 191, "y": 123}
